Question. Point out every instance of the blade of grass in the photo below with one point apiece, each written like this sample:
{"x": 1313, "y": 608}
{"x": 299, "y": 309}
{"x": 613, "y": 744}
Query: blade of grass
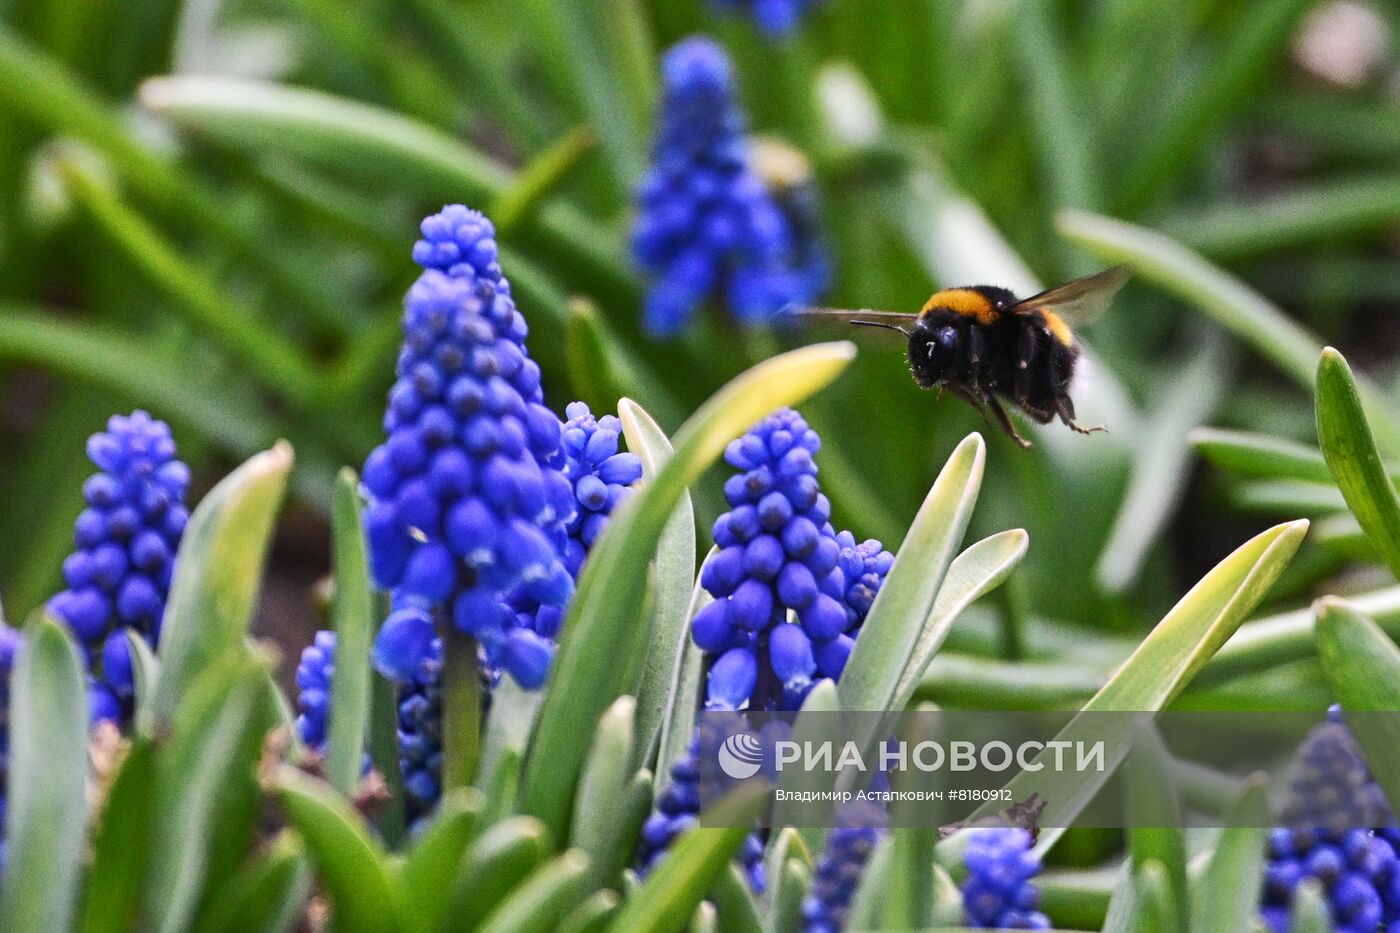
{"x": 1261, "y": 456}
{"x": 1164, "y": 262}
{"x": 45, "y": 806}
{"x": 604, "y": 620}
{"x": 1350, "y": 451}
{"x": 1363, "y": 668}
{"x": 352, "y": 613}
{"x": 218, "y": 571}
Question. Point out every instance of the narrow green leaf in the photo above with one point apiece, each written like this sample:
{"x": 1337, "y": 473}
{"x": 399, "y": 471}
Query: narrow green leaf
{"x": 669, "y": 895}
{"x": 503, "y": 854}
{"x": 541, "y": 178}
{"x": 1311, "y": 913}
{"x": 45, "y": 807}
{"x": 120, "y": 852}
{"x": 1227, "y": 896}
{"x": 605, "y": 621}
{"x": 1351, "y": 454}
{"x": 145, "y": 670}
{"x": 1160, "y": 668}
{"x": 675, "y": 580}
{"x": 384, "y": 747}
{"x": 208, "y": 764}
{"x": 901, "y": 613}
{"x": 1260, "y": 456}
{"x": 427, "y": 873}
{"x": 868, "y": 900}
{"x": 734, "y": 902}
{"x": 265, "y": 896}
{"x": 1362, "y": 666}
{"x": 508, "y": 727}
{"x": 790, "y": 887}
{"x": 908, "y": 896}
{"x": 352, "y": 614}
{"x": 973, "y": 574}
{"x": 1154, "y": 910}
{"x": 218, "y": 571}
{"x": 686, "y": 693}
{"x": 1155, "y": 836}
{"x": 592, "y": 915}
{"x": 1164, "y": 262}
{"x": 542, "y": 900}
{"x": 350, "y": 865}
{"x": 631, "y": 812}
{"x": 605, "y": 776}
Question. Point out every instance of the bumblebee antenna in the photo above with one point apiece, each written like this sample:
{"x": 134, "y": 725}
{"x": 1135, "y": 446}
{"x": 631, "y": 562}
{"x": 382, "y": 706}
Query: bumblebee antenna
{"x": 878, "y": 324}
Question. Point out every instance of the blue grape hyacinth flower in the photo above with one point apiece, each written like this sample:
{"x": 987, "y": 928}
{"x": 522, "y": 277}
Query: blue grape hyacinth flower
{"x": 775, "y": 18}
{"x": 1340, "y": 833}
{"x": 420, "y": 735}
{"x": 707, "y": 225}
{"x": 778, "y": 554}
{"x": 859, "y": 826}
{"x": 998, "y": 893}
{"x": 468, "y": 508}
{"x": 126, "y": 540}
{"x": 678, "y": 807}
{"x": 313, "y": 679}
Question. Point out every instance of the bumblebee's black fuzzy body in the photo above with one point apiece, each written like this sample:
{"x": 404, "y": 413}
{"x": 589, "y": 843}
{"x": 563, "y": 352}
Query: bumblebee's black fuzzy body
{"x": 964, "y": 340}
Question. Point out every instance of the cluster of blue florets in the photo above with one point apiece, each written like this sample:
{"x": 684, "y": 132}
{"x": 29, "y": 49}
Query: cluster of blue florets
{"x": 779, "y": 554}
{"x": 1332, "y": 808}
{"x": 10, "y": 642}
{"x": 998, "y": 893}
{"x": 776, "y": 18}
{"x": 678, "y": 807}
{"x": 601, "y": 477}
{"x": 126, "y": 538}
{"x": 859, "y": 827}
{"x": 313, "y": 678}
{"x": 707, "y": 224}
{"x": 468, "y": 510}
{"x": 420, "y": 735}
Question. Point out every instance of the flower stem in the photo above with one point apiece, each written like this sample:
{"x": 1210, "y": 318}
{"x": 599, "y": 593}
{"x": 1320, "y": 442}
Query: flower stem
{"x": 461, "y": 698}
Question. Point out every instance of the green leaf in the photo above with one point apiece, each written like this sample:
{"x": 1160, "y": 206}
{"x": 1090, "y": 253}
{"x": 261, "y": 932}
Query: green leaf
{"x": 686, "y": 693}
{"x": 675, "y": 580}
{"x": 908, "y": 897}
{"x": 145, "y": 670}
{"x": 352, "y": 614}
{"x": 121, "y": 850}
{"x": 265, "y": 896}
{"x": 670, "y": 893}
{"x": 1351, "y": 454}
{"x": 1362, "y": 666}
{"x": 1227, "y": 897}
{"x": 503, "y": 854}
{"x": 734, "y": 902}
{"x": 973, "y": 574}
{"x": 45, "y": 808}
{"x": 790, "y": 885}
{"x": 868, "y": 900}
{"x": 1154, "y": 910}
{"x": 606, "y": 774}
{"x": 1166, "y": 263}
{"x": 1160, "y": 668}
{"x": 1260, "y": 456}
{"x": 207, "y": 765}
{"x": 1155, "y": 837}
{"x": 427, "y": 873}
{"x": 592, "y": 915}
{"x": 541, "y": 179}
{"x": 902, "y": 612}
{"x": 1311, "y": 914}
{"x": 218, "y": 571}
{"x": 349, "y": 864}
{"x": 543, "y": 899}
{"x": 508, "y": 727}
{"x": 605, "y": 621}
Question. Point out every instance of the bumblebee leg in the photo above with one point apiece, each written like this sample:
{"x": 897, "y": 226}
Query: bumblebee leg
{"x": 1005, "y": 420}
{"x": 977, "y": 401}
{"x": 1023, "y": 376}
{"x": 1065, "y": 407}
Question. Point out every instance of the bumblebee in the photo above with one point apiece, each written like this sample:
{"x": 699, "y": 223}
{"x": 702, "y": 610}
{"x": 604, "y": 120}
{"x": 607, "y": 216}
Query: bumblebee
{"x": 985, "y": 345}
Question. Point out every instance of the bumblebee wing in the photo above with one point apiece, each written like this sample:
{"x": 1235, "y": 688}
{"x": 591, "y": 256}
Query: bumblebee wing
{"x": 895, "y": 319}
{"x": 1079, "y": 302}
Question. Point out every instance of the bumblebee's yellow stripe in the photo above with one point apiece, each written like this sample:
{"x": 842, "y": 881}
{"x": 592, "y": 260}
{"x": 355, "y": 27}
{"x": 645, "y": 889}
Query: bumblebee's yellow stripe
{"x": 964, "y": 301}
{"x": 1057, "y": 326}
